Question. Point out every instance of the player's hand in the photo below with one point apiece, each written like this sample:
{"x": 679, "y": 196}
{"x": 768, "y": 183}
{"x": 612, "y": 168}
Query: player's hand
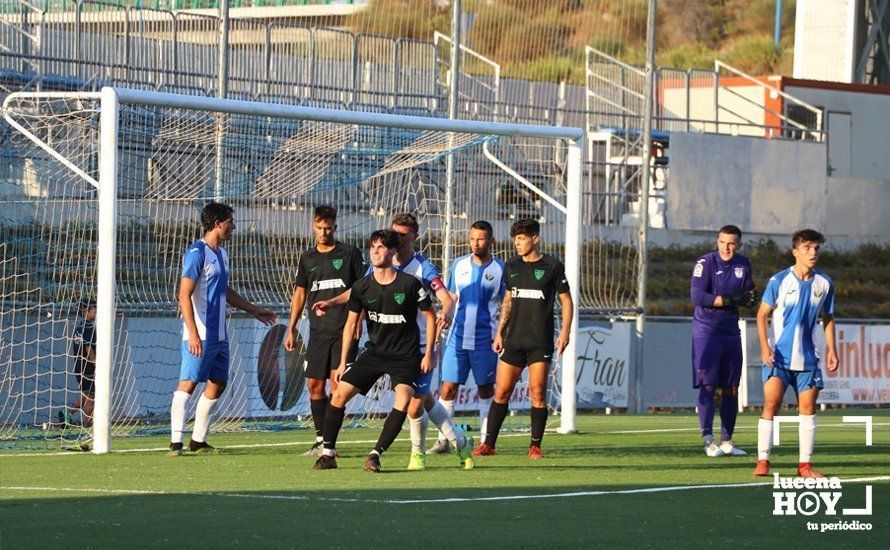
{"x": 290, "y": 341}
{"x": 498, "y": 344}
{"x": 562, "y": 341}
{"x": 322, "y": 307}
{"x": 743, "y": 298}
{"x": 831, "y": 361}
{"x": 767, "y": 357}
{"x": 195, "y": 345}
{"x": 443, "y": 321}
{"x": 428, "y": 363}
{"x": 266, "y": 316}
{"x": 339, "y": 373}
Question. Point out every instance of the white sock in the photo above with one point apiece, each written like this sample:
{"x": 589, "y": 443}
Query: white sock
{"x": 806, "y": 433}
{"x": 203, "y": 414}
{"x": 177, "y": 415}
{"x": 448, "y": 405}
{"x": 764, "y": 438}
{"x": 418, "y": 445}
{"x": 484, "y": 406}
{"x": 440, "y": 417}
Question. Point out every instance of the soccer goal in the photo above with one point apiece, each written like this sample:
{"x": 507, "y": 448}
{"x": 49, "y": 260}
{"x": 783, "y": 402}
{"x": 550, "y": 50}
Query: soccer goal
{"x": 102, "y": 198}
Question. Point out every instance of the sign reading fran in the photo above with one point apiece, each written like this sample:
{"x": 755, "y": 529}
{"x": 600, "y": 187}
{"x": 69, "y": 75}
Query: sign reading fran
{"x": 603, "y": 366}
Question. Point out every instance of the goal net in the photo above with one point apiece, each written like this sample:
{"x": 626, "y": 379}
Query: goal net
{"x": 102, "y": 198}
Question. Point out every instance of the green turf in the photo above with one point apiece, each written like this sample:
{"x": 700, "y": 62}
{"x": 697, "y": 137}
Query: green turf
{"x": 149, "y": 499}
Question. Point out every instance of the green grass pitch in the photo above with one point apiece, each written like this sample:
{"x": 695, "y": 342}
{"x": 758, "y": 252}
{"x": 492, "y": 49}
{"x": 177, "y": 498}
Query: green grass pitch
{"x": 261, "y": 492}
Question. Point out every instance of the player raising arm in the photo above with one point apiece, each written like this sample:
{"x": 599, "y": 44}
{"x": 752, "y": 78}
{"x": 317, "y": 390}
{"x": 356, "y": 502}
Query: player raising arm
{"x": 794, "y": 298}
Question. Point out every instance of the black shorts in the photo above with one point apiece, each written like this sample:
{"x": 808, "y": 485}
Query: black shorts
{"x": 86, "y": 376}
{"x": 523, "y": 357}
{"x": 369, "y": 367}
{"x": 323, "y": 356}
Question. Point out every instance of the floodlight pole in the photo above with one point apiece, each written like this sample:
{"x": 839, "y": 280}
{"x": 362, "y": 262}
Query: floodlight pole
{"x": 453, "y": 90}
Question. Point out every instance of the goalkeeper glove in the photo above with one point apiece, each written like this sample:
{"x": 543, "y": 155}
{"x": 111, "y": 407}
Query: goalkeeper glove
{"x": 744, "y": 298}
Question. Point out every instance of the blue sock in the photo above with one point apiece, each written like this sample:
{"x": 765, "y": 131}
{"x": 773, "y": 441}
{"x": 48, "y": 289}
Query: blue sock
{"x": 706, "y": 409}
{"x": 729, "y": 408}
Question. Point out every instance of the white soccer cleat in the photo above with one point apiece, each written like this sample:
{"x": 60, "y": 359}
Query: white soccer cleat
{"x": 729, "y": 449}
{"x": 711, "y": 448}
{"x": 440, "y": 448}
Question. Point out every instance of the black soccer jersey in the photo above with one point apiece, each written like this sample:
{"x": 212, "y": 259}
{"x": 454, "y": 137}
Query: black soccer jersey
{"x": 84, "y": 338}
{"x": 326, "y": 275}
{"x": 533, "y": 287}
{"x": 391, "y": 313}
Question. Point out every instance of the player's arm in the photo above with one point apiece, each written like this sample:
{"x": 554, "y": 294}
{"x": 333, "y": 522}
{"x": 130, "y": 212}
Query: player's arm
{"x": 266, "y": 316}
{"x": 297, "y": 301}
{"x": 428, "y": 363}
{"x": 90, "y": 353}
{"x": 766, "y": 353}
{"x": 506, "y": 306}
{"x": 446, "y": 313}
{"x": 568, "y": 312}
{"x": 346, "y": 340}
{"x": 700, "y": 286}
{"x": 186, "y": 289}
{"x": 831, "y": 358}
{"x": 323, "y": 306}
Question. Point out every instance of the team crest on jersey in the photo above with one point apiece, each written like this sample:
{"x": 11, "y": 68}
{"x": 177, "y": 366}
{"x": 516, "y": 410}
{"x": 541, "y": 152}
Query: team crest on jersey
{"x": 489, "y": 276}
{"x": 539, "y": 273}
{"x": 817, "y": 293}
{"x": 739, "y": 272}
{"x": 338, "y": 263}
{"x": 399, "y": 297}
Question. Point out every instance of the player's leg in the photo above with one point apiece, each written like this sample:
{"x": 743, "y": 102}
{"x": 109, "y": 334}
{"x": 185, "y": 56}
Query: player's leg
{"x": 507, "y": 376}
{"x": 192, "y": 371}
{"x": 484, "y": 363}
{"x": 418, "y": 420}
{"x": 455, "y": 437}
{"x": 537, "y": 385}
{"x": 706, "y": 356}
{"x": 333, "y": 421}
{"x": 729, "y": 378}
{"x": 455, "y": 370}
{"x": 393, "y": 424}
{"x": 217, "y": 356}
{"x": 808, "y": 384}
{"x": 774, "y": 382}
{"x": 486, "y": 393}
{"x": 319, "y": 355}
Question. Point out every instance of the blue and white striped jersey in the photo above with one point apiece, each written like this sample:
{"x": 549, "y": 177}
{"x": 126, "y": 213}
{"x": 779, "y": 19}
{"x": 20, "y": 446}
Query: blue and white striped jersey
{"x": 480, "y": 290}
{"x": 797, "y": 306}
{"x": 208, "y": 268}
{"x": 425, "y": 272}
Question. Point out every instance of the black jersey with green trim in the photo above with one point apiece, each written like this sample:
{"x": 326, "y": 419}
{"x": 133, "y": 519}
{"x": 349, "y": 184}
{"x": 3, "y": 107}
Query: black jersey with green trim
{"x": 391, "y": 313}
{"x": 533, "y": 287}
{"x": 326, "y": 275}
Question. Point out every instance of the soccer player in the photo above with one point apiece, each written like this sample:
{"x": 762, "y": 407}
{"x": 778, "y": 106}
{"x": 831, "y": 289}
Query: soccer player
{"x": 721, "y": 282}
{"x": 423, "y": 407}
{"x": 325, "y": 274}
{"x": 795, "y": 297}
{"x": 476, "y": 284}
{"x": 525, "y": 332}
{"x": 83, "y": 345}
{"x": 203, "y": 294}
{"x": 390, "y": 301}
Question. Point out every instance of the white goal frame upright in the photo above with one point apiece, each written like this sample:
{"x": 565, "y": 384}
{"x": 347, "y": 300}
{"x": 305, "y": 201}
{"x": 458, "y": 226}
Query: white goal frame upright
{"x": 111, "y": 100}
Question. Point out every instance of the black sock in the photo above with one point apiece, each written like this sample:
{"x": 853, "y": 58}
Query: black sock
{"x": 539, "y": 421}
{"x": 496, "y": 415}
{"x": 391, "y": 429}
{"x": 319, "y": 409}
{"x": 333, "y": 420}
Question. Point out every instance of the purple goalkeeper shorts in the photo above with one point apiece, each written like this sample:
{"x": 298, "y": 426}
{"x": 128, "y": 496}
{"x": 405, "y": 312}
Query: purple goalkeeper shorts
{"x": 716, "y": 361}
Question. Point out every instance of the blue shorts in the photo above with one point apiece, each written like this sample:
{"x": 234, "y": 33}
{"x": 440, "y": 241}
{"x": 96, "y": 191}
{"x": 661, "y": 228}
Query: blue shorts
{"x": 799, "y": 380}
{"x": 212, "y": 365}
{"x": 457, "y": 363}
{"x": 716, "y": 361}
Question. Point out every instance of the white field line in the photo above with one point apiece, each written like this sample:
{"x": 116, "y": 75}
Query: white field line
{"x": 421, "y": 501}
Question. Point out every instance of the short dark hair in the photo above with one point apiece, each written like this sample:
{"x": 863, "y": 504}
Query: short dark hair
{"x": 387, "y": 237}
{"x": 806, "y": 236}
{"x": 483, "y": 225}
{"x": 406, "y": 219}
{"x": 731, "y": 230}
{"x": 529, "y": 228}
{"x": 215, "y": 212}
{"x": 325, "y": 212}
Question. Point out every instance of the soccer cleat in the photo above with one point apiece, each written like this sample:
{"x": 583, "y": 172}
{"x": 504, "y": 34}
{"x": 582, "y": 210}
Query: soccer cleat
{"x": 484, "y": 450}
{"x": 175, "y": 449}
{"x": 440, "y": 448}
{"x": 202, "y": 448}
{"x": 315, "y": 450}
{"x": 372, "y": 463}
{"x": 729, "y": 449}
{"x": 535, "y": 453}
{"x": 712, "y": 449}
{"x": 325, "y": 462}
{"x": 417, "y": 461}
{"x": 465, "y": 455}
{"x": 762, "y": 468}
{"x": 805, "y": 469}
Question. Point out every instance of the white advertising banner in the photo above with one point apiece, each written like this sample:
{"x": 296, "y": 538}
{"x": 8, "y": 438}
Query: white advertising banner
{"x": 864, "y": 373}
{"x": 603, "y": 366}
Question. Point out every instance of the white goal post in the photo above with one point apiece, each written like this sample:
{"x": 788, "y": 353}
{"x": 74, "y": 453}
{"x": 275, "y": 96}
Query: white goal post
{"x": 112, "y": 100}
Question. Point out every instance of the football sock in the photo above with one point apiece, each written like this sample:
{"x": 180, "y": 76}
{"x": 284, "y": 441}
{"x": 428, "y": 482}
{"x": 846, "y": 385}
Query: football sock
{"x": 177, "y": 415}
{"x": 764, "y": 438}
{"x": 539, "y": 421}
{"x": 729, "y": 409}
{"x": 496, "y": 416}
{"x": 448, "y": 405}
{"x": 806, "y": 432}
{"x": 484, "y": 406}
{"x": 333, "y": 420}
{"x": 440, "y": 417}
{"x": 706, "y": 409}
{"x": 319, "y": 409}
{"x": 391, "y": 429}
{"x": 203, "y": 415}
{"x": 418, "y": 443}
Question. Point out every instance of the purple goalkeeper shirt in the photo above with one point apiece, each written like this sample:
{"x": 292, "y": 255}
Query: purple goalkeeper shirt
{"x": 712, "y": 277}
